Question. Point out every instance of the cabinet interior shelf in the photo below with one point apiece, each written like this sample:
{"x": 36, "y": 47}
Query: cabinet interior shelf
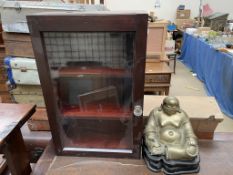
{"x": 108, "y": 112}
{"x": 103, "y": 71}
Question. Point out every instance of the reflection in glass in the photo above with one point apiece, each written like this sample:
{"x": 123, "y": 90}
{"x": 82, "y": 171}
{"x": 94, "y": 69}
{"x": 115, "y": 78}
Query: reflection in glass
{"x": 92, "y": 77}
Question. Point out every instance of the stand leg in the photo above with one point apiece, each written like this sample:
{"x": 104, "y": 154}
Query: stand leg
{"x": 16, "y": 155}
{"x": 174, "y": 68}
{"x": 166, "y": 91}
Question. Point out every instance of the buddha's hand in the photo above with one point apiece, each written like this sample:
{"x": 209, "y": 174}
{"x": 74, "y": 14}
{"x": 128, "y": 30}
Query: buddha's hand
{"x": 191, "y": 142}
{"x": 158, "y": 149}
{"x": 192, "y": 148}
{"x": 154, "y": 146}
{"x": 152, "y": 141}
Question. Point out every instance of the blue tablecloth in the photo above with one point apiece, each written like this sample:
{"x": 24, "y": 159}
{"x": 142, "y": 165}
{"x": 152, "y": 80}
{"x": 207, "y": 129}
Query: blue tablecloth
{"x": 213, "y": 68}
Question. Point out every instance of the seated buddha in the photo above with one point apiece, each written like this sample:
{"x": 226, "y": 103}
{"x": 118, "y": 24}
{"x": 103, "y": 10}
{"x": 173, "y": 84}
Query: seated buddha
{"x": 169, "y": 132}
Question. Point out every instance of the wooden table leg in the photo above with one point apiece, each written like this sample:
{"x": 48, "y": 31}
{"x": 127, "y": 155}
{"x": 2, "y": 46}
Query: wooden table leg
{"x": 16, "y": 155}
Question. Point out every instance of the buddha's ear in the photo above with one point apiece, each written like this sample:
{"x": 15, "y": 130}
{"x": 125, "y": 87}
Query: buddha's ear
{"x": 179, "y": 110}
{"x": 160, "y": 108}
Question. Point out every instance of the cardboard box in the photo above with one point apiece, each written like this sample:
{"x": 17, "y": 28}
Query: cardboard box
{"x": 184, "y": 23}
{"x": 183, "y": 14}
{"x": 204, "y": 112}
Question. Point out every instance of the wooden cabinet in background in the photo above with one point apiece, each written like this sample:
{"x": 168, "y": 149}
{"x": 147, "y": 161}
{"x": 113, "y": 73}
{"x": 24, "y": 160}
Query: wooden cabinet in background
{"x": 157, "y": 78}
{"x": 156, "y": 37}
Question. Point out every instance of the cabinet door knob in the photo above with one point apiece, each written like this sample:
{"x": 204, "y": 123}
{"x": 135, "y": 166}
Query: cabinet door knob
{"x": 137, "y": 111}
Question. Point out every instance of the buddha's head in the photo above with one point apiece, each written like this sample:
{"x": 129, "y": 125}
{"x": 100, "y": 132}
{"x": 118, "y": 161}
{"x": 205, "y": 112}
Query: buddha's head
{"x": 170, "y": 105}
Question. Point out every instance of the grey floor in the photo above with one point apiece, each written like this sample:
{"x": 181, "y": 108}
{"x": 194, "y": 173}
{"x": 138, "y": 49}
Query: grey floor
{"x": 184, "y": 83}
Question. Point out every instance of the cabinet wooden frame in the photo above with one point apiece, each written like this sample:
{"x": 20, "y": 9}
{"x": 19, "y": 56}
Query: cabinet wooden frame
{"x": 90, "y": 22}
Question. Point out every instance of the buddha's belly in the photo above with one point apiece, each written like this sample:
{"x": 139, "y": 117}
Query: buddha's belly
{"x": 170, "y": 135}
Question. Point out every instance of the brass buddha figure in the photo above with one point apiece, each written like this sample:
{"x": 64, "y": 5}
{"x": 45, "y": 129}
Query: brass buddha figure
{"x": 169, "y": 135}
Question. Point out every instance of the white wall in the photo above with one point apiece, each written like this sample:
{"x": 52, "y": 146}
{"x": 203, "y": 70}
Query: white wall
{"x": 168, "y": 7}
{"x": 221, "y": 6}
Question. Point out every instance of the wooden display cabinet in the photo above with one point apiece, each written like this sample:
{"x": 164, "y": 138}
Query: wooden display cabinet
{"x": 91, "y": 68}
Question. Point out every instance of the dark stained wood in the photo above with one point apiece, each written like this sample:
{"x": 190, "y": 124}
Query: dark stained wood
{"x": 3, "y": 164}
{"x": 16, "y": 154}
{"x": 35, "y": 142}
{"x": 90, "y": 22}
{"x": 13, "y": 116}
{"x": 107, "y": 21}
{"x": 216, "y": 159}
{"x": 45, "y": 161}
{"x": 35, "y": 138}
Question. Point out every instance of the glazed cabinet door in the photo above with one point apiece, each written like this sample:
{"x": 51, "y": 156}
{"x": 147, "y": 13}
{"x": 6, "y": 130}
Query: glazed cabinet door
{"x": 92, "y": 79}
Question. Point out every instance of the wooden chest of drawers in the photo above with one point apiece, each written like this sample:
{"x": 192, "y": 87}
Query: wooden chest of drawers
{"x": 157, "y": 78}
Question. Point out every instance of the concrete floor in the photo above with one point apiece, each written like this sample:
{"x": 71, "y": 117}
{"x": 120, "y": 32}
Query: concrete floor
{"x": 183, "y": 83}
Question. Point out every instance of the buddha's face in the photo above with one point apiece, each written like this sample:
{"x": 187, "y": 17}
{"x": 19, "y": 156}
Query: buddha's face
{"x": 170, "y": 105}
